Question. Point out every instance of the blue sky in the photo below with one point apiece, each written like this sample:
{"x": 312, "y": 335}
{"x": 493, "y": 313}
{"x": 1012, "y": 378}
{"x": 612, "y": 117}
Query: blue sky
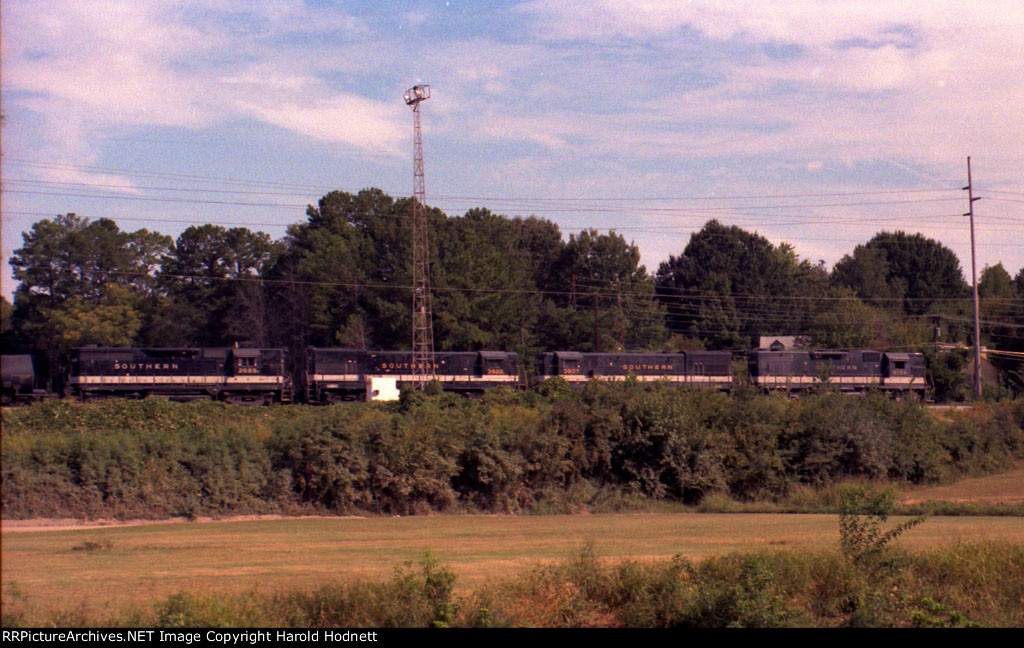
{"x": 816, "y": 123}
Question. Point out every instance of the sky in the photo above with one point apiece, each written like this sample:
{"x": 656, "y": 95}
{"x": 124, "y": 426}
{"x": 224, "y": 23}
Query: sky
{"x": 814, "y": 123}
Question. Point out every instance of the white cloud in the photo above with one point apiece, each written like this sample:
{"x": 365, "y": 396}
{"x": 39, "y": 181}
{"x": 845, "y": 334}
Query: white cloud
{"x": 810, "y": 23}
{"x": 713, "y": 95}
{"x": 923, "y": 82}
{"x": 348, "y": 120}
{"x": 113, "y": 65}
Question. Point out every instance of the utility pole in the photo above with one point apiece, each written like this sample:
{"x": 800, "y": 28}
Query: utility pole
{"x": 422, "y": 318}
{"x": 974, "y": 280}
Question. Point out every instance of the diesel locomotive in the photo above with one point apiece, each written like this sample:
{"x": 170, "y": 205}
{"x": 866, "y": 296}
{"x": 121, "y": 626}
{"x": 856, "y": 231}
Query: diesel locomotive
{"x": 334, "y": 375}
{"x": 711, "y": 369}
{"x": 233, "y": 375}
{"x": 850, "y": 371}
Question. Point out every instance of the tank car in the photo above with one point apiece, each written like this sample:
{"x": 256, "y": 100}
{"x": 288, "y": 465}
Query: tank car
{"x": 19, "y": 380}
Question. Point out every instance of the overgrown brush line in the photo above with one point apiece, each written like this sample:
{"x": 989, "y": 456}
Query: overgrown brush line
{"x": 966, "y": 584}
{"x": 556, "y": 449}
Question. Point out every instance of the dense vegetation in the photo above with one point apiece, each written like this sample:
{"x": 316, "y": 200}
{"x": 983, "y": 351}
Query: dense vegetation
{"x": 341, "y": 277}
{"x": 551, "y": 450}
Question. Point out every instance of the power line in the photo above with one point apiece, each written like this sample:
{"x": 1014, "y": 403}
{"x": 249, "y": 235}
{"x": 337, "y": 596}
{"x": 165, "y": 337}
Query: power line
{"x": 157, "y": 199}
{"x": 153, "y": 188}
{"x": 681, "y": 228}
{"x": 697, "y": 197}
{"x": 226, "y": 180}
{"x": 156, "y": 174}
{"x": 608, "y": 292}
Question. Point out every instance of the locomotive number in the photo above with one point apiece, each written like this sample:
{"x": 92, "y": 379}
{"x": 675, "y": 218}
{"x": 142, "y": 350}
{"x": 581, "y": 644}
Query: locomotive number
{"x": 495, "y": 372}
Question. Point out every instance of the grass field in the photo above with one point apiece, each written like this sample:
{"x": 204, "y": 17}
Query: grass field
{"x": 102, "y": 569}
{"x": 1003, "y": 488}
{"x": 48, "y": 565}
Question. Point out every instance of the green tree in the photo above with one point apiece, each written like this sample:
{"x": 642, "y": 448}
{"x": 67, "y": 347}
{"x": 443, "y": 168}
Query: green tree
{"x": 717, "y": 318}
{"x": 541, "y": 241}
{"x": 350, "y": 259}
{"x": 999, "y": 303}
{"x": 1002, "y": 316}
{"x": 866, "y": 273}
{"x": 111, "y": 322}
{"x": 69, "y": 266}
{"x": 484, "y": 294}
{"x": 211, "y": 281}
{"x": 839, "y": 320}
{"x": 766, "y": 287}
{"x": 6, "y": 329}
{"x": 899, "y": 266}
{"x": 602, "y": 273}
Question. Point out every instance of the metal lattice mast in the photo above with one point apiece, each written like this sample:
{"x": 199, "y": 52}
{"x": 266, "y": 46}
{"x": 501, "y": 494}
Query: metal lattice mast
{"x": 422, "y": 318}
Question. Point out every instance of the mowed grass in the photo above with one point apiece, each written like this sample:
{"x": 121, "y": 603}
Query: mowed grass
{"x": 1003, "y": 488}
{"x": 100, "y": 571}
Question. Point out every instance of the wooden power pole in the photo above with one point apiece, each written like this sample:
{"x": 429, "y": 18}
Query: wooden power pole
{"x": 974, "y": 280}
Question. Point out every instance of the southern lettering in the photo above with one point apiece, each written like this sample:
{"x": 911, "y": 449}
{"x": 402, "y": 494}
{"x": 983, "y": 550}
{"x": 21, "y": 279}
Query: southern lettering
{"x": 145, "y": 366}
{"x": 403, "y": 365}
{"x": 646, "y": 367}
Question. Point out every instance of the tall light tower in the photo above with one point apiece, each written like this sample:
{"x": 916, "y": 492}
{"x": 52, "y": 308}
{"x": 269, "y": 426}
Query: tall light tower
{"x": 422, "y": 319}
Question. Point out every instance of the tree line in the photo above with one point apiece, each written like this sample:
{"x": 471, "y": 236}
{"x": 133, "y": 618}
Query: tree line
{"x": 342, "y": 277}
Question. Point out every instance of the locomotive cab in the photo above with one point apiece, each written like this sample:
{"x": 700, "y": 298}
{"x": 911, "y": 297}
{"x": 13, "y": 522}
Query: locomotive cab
{"x": 568, "y": 363}
{"x": 245, "y": 362}
{"x": 897, "y": 364}
{"x": 904, "y": 373}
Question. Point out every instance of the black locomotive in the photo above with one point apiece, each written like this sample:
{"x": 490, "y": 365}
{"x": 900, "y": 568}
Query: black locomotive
{"x": 711, "y": 369}
{"x": 353, "y": 374}
{"x": 233, "y": 375}
{"x": 853, "y": 371}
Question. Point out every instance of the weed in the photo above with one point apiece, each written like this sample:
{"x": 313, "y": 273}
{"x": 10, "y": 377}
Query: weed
{"x": 90, "y": 545}
{"x": 13, "y": 604}
{"x": 861, "y": 516}
{"x": 937, "y": 615}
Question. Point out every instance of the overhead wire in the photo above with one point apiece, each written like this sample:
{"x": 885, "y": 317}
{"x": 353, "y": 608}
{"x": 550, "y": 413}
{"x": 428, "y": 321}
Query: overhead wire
{"x": 580, "y": 203}
{"x": 538, "y": 204}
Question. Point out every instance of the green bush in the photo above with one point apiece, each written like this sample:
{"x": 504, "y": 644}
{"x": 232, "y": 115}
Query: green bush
{"x": 604, "y": 447}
